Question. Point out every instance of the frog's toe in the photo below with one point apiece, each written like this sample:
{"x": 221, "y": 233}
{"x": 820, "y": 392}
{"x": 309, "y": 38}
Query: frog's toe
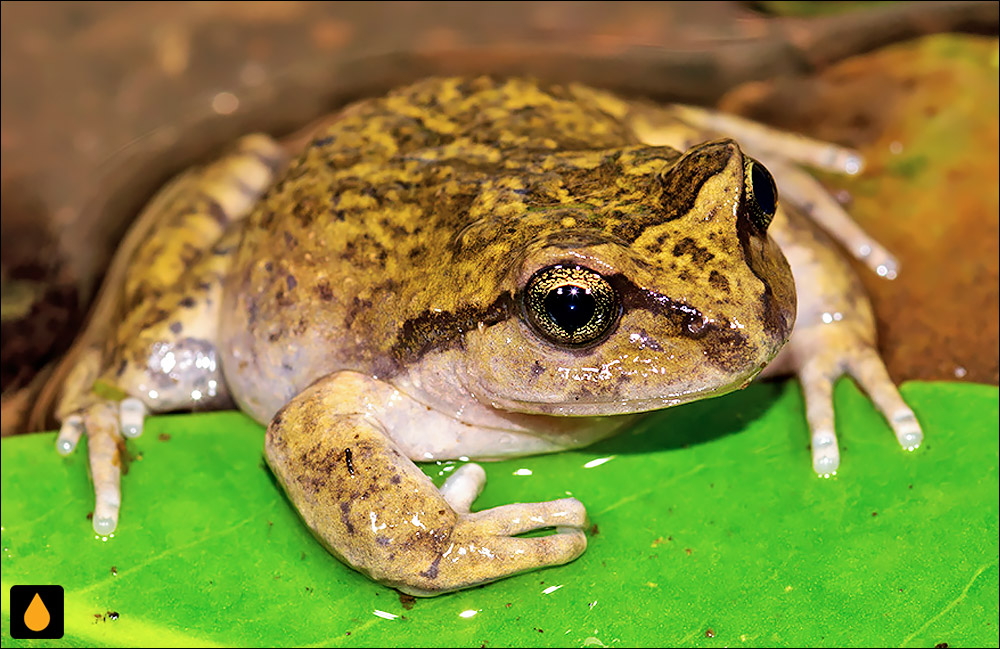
{"x": 104, "y": 446}
{"x": 565, "y": 514}
{"x": 463, "y": 486}
{"x": 869, "y": 371}
{"x": 817, "y": 379}
{"x": 817, "y": 376}
{"x": 825, "y": 453}
{"x": 132, "y": 414}
{"x": 100, "y": 421}
{"x": 517, "y": 555}
{"x": 474, "y": 558}
{"x": 69, "y": 434}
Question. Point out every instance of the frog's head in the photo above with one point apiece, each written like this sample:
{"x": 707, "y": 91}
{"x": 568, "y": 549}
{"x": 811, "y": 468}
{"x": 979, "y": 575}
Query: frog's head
{"x": 655, "y": 283}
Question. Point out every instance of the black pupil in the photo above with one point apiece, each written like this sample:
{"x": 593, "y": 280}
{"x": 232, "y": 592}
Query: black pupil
{"x": 763, "y": 189}
{"x": 570, "y": 307}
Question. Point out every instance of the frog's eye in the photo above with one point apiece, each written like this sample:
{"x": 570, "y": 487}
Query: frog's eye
{"x": 761, "y": 193}
{"x": 570, "y": 305}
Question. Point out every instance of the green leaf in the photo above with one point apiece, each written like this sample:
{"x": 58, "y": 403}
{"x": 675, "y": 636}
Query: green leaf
{"x": 712, "y": 531}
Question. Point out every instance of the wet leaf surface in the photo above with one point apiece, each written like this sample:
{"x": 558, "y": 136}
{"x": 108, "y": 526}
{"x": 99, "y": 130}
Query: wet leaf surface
{"x": 709, "y": 529}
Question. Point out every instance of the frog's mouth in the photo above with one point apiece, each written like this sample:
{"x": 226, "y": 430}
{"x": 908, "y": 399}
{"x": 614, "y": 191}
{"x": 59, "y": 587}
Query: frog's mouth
{"x": 581, "y": 406}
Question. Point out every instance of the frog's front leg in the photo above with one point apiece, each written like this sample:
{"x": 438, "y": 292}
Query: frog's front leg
{"x": 834, "y": 335}
{"x": 376, "y": 511}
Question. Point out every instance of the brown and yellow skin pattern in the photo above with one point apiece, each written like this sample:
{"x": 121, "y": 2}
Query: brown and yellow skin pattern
{"x": 383, "y": 276}
{"x": 408, "y": 228}
{"x": 370, "y": 303}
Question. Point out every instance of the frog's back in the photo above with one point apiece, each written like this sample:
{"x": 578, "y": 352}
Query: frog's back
{"x": 392, "y": 232}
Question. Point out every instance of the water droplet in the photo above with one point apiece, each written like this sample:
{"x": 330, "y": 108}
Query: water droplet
{"x": 37, "y": 616}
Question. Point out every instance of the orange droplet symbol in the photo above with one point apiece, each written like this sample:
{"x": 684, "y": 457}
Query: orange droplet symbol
{"x": 36, "y": 617}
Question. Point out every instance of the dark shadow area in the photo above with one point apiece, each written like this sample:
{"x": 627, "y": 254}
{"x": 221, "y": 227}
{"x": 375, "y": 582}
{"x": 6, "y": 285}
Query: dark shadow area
{"x": 694, "y": 423}
{"x": 40, "y": 306}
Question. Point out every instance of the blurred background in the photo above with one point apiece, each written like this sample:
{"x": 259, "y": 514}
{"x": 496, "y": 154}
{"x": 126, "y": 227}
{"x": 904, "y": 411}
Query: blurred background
{"x": 103, "y": 101}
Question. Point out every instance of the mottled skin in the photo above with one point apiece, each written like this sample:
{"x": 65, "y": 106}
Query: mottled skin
{"x": 405, "y": 231}
{"x": 372, "y": 309}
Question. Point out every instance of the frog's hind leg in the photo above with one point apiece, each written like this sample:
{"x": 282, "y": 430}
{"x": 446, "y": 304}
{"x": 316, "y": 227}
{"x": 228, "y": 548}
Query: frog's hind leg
{"x": 375, "y": 510}
{"x": 153, "y": 347}
{"x": 175, "y": 229}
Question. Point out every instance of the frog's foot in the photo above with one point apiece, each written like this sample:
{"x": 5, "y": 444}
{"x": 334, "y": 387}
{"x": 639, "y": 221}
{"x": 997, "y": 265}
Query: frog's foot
{"x": 827, "y": 358}
{"x": 483, "y": 540}
{"x": 105, "y": 423}
{"x": 376, "y": 511}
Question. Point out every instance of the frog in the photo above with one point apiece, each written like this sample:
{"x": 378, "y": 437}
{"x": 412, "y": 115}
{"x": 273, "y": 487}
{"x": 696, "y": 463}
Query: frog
{"x": 471, "y": 269}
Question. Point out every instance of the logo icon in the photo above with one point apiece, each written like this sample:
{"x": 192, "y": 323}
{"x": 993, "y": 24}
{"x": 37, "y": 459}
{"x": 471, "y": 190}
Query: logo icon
{"x": 36, "y": 612}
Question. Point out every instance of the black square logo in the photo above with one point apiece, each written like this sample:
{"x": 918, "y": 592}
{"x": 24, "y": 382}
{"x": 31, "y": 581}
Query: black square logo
{"x": 36, "y": 612}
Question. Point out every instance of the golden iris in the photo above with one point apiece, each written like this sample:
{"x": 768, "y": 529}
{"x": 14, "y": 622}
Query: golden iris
{"x": 570, "y": 305}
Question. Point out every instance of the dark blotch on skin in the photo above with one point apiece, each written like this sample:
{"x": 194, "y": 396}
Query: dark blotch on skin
{"x": 187, "y": 302}
{"x": 176, "y": 327}
{"x": 699, "y": 255}
{"x": 345, "y": 511}
{"x": 680, "y": 184}
{"x": 320, "y": 461}
{"x": 292, "y": 282}
{"x": 324, "y": 291}
{"x": 430, "y": 330}
{"x": 432, "y": 572}
{"x": 217, "y": 213}
{"x": 718, "y": 281}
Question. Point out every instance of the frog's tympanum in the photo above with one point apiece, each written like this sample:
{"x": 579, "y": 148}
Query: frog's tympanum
{"x": 473, "y": 268}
